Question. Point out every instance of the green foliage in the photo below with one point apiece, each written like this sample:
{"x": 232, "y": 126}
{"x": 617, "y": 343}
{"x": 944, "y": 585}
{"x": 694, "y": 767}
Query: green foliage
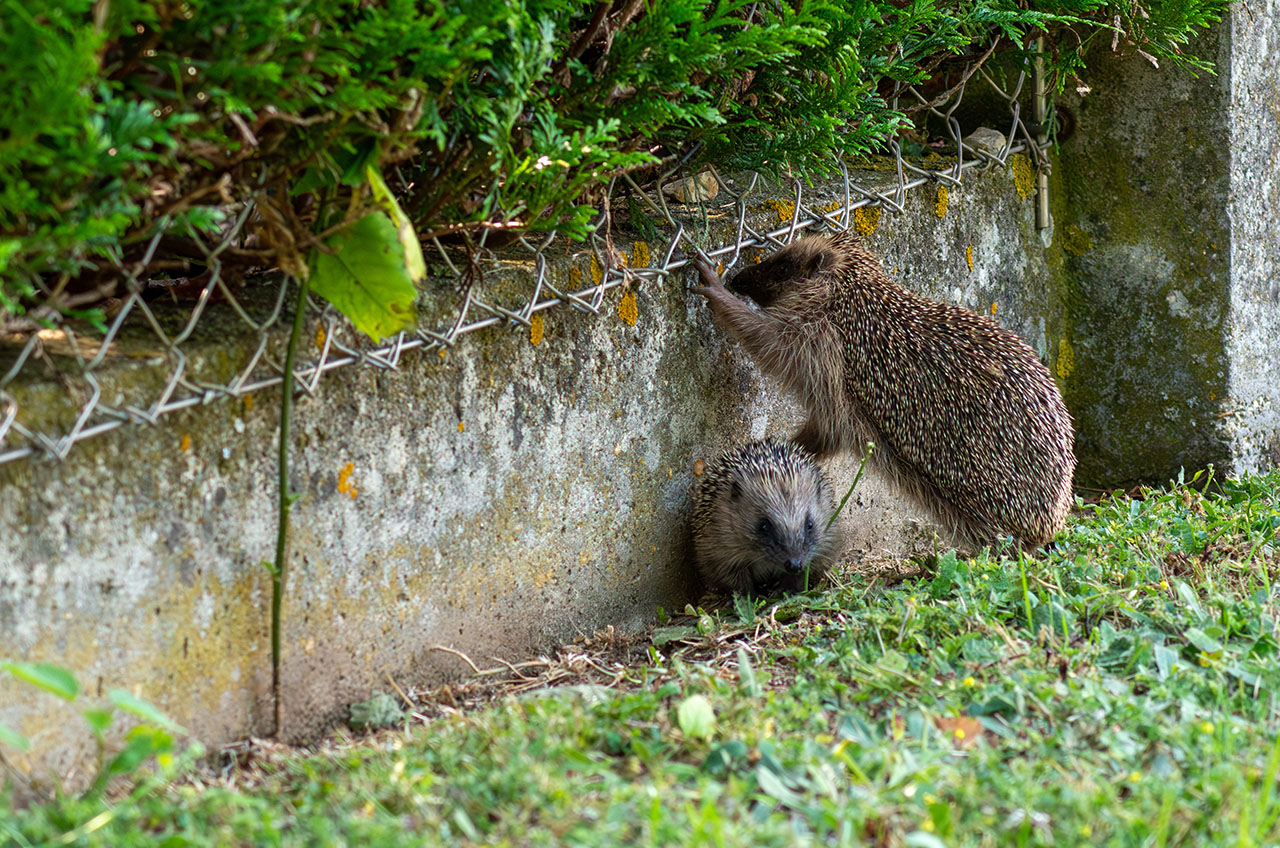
{"x": 51, "y": 678}
{"x": 150, "y": 740}
{"x": 119, "y": 120}
{"x": 365, "y": 276}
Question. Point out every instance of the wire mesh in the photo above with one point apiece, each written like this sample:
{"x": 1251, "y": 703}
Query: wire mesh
{"x": 50, "y": 425}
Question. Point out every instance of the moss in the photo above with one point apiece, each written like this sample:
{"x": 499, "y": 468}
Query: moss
{"x": 1075, "y": 241}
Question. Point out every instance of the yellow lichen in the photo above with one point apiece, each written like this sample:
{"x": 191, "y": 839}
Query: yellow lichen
{"x": 993, "y": 307}
{"x": 1075, "y": 240}
{"x": 248, "y": 403}
{"x": 940, "y": 207}
{"x": 320, "y": 337}
{"x": 535, "y": 330}
{"x": 1024, "y": 182}
{"x": 698, "y": 467}
{"x": 442, "y": 354}
{"x": 345, "y": 484}
{"x": 784, "y": 209}
{"x": 185, "y": 444}
{"x": 462, "y": 427}
{"x": 640, "y": 257}
{"x": 627, "y": 309}
{"x": 866, "y": 219}
{"x": 597, "y": 273}
{"x": 968, "y": 257}
{"x": 1066, "y": 359}
{"x": 575, "y": 276}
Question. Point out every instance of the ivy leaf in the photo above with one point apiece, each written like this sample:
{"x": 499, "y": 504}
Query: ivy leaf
{"x": 50, "y": 678}
{"x": 366, "y": 278}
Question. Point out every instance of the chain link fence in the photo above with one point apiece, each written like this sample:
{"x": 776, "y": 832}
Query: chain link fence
{"x": 57, "y": 387}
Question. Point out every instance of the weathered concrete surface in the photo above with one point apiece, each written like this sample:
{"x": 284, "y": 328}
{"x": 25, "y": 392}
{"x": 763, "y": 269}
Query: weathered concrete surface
{"x": 498, "y": 499}
{"x": 1251, "y": 414}
{"x": 1162, "y": 258}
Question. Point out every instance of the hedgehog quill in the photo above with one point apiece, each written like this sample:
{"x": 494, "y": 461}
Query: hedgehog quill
{"x": 966, "y": 420}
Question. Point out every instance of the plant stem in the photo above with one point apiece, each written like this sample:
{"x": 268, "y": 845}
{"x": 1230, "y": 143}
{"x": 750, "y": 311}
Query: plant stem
{"x": 286, "y": 497}
{"x": 862, "y": 466}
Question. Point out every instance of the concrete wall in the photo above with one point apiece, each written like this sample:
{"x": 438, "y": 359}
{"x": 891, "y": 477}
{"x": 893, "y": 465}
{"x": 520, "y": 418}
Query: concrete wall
{"x": 499, "y": 500}
{"x": 1251, "y": 413}
{"x": 1163, "y": 258}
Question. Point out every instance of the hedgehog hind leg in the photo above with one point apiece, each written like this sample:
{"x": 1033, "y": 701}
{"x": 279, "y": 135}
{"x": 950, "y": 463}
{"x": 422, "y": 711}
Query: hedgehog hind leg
{"x": 816, "y": 438}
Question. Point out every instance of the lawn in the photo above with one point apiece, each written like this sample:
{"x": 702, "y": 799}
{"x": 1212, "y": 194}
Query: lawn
{"x": 1119, "y": 690}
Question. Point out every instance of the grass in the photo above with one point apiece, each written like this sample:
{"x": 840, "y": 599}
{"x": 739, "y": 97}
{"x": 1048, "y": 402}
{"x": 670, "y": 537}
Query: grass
{"x": 1119, "y": 690}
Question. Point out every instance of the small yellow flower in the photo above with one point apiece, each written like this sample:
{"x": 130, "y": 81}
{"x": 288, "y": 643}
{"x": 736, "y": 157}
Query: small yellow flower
{"x": 1164, "y": 585}
{"x": 1135, "y": 776}
{"x": 1086, "y": 831}
{"x": 927, "y": 825}
{"x": 970, "y": 682}
{"x": 1206, "y": 727}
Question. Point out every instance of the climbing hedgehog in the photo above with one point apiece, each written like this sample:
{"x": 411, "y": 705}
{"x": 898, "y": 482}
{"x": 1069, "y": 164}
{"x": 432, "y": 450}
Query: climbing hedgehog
{"x": 965, "y": 419}
{"x": 760, "y": 515}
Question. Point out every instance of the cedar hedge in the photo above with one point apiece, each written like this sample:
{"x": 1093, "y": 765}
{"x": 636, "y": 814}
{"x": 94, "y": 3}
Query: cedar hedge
{"x": 121, "y": 118}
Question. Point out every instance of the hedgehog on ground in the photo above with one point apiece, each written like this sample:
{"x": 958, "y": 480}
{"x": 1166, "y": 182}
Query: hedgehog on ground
{"x": 965, "y": 419}
{"x": 760, "y": 516}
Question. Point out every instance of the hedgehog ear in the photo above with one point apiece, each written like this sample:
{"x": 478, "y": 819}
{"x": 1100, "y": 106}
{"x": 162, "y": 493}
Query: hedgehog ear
{"x": 817, "y": 264}
{"x": 735, "y": 490}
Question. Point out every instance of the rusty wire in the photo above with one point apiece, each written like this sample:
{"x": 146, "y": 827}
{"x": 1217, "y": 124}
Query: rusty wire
{"x": 96, "y": 416}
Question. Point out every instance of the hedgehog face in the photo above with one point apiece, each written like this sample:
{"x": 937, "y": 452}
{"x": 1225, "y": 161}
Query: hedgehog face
{"x": 773, "y": 276}
{"x": 783, "y": 527}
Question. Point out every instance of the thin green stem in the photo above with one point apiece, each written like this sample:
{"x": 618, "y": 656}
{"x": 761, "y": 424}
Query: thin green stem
{"x": 286, "y": 497}
{"x": 862, "y": 466}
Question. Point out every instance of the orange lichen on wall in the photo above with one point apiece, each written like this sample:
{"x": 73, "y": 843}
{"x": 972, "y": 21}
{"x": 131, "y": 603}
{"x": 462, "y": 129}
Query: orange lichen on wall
{"x": 345, "y": 484}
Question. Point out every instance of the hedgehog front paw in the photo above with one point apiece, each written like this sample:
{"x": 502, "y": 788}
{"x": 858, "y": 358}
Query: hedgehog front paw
{"x": 711, "y": 282}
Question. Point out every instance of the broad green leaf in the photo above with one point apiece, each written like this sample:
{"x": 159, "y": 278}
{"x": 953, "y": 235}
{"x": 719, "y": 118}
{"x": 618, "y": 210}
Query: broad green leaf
{"x": 1203, "y": 641}
{"x": 142, "y": 709}
{"x": 14, "y": 739}
{"x": 696, "y": 717}
{"x": 98, "y": 720}
{"x": 366, "y": 278}
{"x": 1167, "y": 661}
{"x": 50, "y": 678}
{"x": 772, "y": 785}
{"x": 413, "y": 261}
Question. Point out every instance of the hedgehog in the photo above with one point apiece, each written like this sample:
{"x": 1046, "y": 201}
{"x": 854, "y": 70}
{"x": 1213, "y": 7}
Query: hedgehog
{"x": 963, "y": 418}
{"x": 760, "y": 519}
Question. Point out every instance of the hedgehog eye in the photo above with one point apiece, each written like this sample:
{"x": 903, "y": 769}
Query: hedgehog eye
{"x": 808, "y": 524}
{"x": 765, "y": 527}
